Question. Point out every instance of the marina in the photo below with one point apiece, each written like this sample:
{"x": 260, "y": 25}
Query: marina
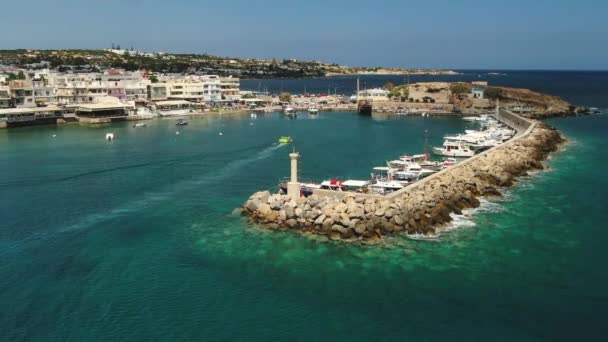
{"x": 398, "y": 199}
{"x": 144, "y": 224}
{"x": 315, "y": 171}
{"x": 407, "y": 170}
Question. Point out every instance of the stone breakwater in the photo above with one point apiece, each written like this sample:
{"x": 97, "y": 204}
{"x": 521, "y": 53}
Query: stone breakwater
{"x": 421, "y": 210}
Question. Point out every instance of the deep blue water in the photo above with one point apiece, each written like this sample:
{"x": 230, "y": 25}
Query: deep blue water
{"x": 135, "y": 240}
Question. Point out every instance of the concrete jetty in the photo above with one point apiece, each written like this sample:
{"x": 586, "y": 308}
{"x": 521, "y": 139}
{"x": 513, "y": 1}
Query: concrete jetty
{"x": 420, "y": 208}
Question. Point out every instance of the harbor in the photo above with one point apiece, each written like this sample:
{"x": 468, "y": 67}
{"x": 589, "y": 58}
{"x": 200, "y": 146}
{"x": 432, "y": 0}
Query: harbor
{"x": 120, "y": 224}
{"x": 306, "y": 171}
{"x": 421, "y": 205}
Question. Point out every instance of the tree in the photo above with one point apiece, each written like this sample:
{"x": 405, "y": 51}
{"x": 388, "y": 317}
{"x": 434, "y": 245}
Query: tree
{"x": 493, "y": 93}
{"x": 285, "y": 97}
{"x": 459, "y": 88}
{"x": 20, "y": 75}
{"x": 389, "y": 86}
{"x": 400, "y": 93}
{"x": 153, "y": 79}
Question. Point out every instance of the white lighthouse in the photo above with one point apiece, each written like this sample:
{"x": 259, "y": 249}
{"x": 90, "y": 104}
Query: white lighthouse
{"x": 293, "y": 186}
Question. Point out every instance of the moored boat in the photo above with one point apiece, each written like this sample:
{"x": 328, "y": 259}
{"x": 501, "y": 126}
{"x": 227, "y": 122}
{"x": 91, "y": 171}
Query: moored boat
{"x": 289, "y": 111}
{"x": 454, "y": 149}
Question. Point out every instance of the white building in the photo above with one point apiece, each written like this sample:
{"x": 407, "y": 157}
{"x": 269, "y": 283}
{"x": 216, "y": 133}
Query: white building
{"x": 374, "y": 95}
{"x": 195, "y": 88}
{"x": 129, "y": 86}
{"x": 31, "y": 93}
{"x": 230, "y": 88}
{"x": 5, "y": 97}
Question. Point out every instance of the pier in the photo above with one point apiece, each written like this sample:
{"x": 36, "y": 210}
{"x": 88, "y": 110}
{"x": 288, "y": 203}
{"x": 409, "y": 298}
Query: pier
{"x": 419, "y": 208}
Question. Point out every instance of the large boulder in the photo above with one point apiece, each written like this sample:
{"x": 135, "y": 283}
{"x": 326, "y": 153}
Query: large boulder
{"x": 253, "y": 204}
{"x": 261, "y": 195}
{"x": 263, "y": 209}
{"x": 291, "y": 223}
{"x": 319, "y": 221}
{"x": 299, "y": 212}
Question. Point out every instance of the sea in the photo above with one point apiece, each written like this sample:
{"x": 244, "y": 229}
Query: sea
{"x": 138, "y": 239}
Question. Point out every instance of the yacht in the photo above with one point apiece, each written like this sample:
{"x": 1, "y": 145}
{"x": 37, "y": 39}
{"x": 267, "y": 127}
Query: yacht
{"x": 454, "y": 149}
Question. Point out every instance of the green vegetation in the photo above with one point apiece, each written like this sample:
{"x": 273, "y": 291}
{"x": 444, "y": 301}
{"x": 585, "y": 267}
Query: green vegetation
{"x": 460, "y": 88}
{"x": 285, "y": 97}
{"x": 493, "y": 93}
{"x": 93, "y": 60}
{"x": 153, "y": 79}
{"x": 389, "y": 86}
{"x": 400, "y": 92}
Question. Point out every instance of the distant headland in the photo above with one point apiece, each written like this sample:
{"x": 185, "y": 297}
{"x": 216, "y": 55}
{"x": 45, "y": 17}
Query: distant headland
{"x": 245, "y": 68}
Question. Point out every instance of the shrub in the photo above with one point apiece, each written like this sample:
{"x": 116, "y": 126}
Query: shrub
{"x": 493, "y": 93}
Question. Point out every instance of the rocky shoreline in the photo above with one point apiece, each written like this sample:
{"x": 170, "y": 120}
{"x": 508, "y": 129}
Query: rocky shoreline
{"x": 421, "y": 210}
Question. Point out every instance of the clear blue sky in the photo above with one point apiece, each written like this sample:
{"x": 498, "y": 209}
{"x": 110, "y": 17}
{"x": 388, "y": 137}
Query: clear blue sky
{"x": 511, "y": 34}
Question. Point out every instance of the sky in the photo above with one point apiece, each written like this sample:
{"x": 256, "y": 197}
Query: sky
{"x": 449, "y": 34}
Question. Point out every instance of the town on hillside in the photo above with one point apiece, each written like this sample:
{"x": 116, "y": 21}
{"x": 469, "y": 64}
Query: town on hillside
{"x": 45, "y": 92}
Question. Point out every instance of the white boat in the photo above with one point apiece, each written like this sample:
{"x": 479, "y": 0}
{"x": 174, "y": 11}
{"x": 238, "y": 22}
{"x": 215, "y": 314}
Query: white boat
{"x": 140, "y": 124}
{"x": 289, "y": 111}
{"x": 355, "y": 185}
{"x": 450, "y": 162}
{"x": 254, "y": 116}
{"x": 109, "y": 136}
{"x": 424, "y": 161}
{"x": 454, "y": 149}
{"x": 313, "y": 110}
{"x": 483, "y": 118}
{"x": 383, "y": 187}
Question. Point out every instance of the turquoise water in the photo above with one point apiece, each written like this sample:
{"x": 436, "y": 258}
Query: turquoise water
{"x": 135, "y": 240}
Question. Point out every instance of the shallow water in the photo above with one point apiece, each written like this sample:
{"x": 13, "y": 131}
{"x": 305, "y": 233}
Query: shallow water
{"x": 134, "y": 239}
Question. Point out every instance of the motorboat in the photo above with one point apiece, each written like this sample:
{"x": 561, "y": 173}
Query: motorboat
{"x": 355, "y": 185}
{"x": 181, "y": 122}
{"x": 333, "y": 184}
{"x": 447, "y": 162}
{"x": 254, "y": 116}
{"x": 383, "y": 187}
{"x": 109, "y": 136}
{"x": 454, "y": 149}
{"x": 424, "y": 161}
{"x": 313, "y": 110}
{"x": 289, "y": 111}
{"x": 285, "y": 140}
{"x": 141, "y": 124}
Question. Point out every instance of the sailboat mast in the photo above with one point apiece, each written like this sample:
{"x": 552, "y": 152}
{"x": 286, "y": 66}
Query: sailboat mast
{"x": 357, "y": 90}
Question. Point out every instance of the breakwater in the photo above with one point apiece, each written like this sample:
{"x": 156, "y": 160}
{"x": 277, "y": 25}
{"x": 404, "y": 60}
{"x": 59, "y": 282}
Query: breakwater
{"x": 420, "y": 208}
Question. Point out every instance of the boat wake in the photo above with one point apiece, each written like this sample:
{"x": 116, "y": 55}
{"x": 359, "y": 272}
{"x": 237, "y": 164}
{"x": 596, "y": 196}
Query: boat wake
{"x": 167, "y": 162}
{"x": 155, "y": 198}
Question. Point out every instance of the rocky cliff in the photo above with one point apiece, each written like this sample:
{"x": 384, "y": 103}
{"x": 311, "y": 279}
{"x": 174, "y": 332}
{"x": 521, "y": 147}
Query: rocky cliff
{"x": 534, "y": 104}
